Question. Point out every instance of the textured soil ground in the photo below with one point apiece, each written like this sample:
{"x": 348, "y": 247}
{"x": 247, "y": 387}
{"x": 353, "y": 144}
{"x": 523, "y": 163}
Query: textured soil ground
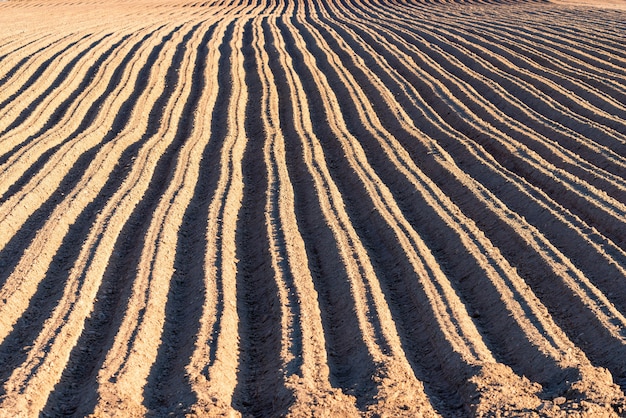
{"x": 312, "y": 208}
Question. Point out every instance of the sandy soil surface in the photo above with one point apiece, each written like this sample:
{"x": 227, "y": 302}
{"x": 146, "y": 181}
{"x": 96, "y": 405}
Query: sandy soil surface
{"x": 312, "y": 208}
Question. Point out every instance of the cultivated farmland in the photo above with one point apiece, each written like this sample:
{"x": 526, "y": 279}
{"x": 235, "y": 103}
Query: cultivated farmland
{"x": 312, "y": 208}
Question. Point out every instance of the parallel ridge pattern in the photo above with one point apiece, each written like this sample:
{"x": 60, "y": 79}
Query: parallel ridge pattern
{"x": 312, "y": 207}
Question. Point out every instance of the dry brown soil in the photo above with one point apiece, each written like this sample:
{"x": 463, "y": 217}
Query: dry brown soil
{"x": 322, "y": 208}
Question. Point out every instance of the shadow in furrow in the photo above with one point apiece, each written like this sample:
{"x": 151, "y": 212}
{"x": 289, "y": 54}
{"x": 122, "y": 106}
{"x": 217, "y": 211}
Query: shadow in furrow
{"x": 351, "y": 365}
{"x": 13, "y": 251}
{"x": 510, "y": 342}
{"x": 14, "y": 349}
{"x": 562, "y": 235}
{"x": 594, "y": 215}
{"x": 61, "y": 75}
{"x": 59, "y": 112}
{"x": 325, "y": 133}
{"x": 40, "y": 71}
{"x": 119, "y": 122}
{"x": 569, "y": 313}
{"x": 211, "y": 171}
{"x": 551, "y": 133}
{"x": 77, "y": 390}
{"x": 24, "y": 60}
{"x": 260, "y": 388}
{"x": 459, "y": 265}
{"x": 168, "y": 389}
{"x": 444, "y": 373}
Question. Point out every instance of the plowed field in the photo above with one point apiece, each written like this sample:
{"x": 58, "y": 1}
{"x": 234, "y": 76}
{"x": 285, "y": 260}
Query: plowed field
{"x": 312, "y": 208}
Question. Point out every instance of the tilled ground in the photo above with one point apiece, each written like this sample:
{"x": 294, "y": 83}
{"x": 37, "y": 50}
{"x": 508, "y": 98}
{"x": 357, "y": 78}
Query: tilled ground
{"x": 312, "y": 208}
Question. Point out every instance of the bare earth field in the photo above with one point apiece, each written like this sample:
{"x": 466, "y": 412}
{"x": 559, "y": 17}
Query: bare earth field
{"x": 312, "y": 208}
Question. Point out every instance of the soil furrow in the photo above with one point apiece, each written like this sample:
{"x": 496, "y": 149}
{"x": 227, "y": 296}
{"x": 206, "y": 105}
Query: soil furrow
{"x": 348, "y": 356}
{"x": 541, "y": 177}
{"x": 261, "y": 378}
{"x": 418, "y": 81}
{"x": 63, "y": 108}
{"x": 19, "y": 61}
{"x": 36, "y": 150}
{"x": 387, "y": 351}
{"x": 572, "y": 238}
{"x": 99, "y": 132}
{"x": 127, "y": 366}
{"x": 208, "y": 302}
{"x": 464, "y": 272}
{"x": 70, "y": 72}
{"x": 13, "y": 251}
{"x": 167, "y": 390}
{"x": 100, "y": 328}
{"x": 305, "y": 350}
{"x": 312, "y": 208}
{"x": 213, "y": 365}
{"x": 60, "y": 219}
{"x": 361, "y": 135}
{"x": 28, "y": 67}
{"x": 531, "y": 46}
{"x": 61, "y": 334}
{"x": 37, "y": 78}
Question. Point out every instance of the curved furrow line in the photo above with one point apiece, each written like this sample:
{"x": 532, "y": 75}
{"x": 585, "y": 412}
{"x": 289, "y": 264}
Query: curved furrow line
{"x": 566, "y": 346}
{"x": 36, "y": 111}
{"x": 213, "y": 365}
{"x": 9, "y": 42}
{"x": 348, "y": 361}
{"x": 64, "y": 252}
{"x": 539, "y": 134}
{"x": 587, "y": 54}
{"x": 618, "y": 258}
{"x": 168, "y": 390}
{"x": 597, "y": 305}
{"x": 386, "y": 338}
{"x": 207, "y": 303}
{"x": 550, "y": 63}
{"x": 303, "y": 348}
{"x": 533, "y": 335}
{"x": 564, "y": 54}
{"x": 36, "y": 146}
{"x": 37, "y": 76}
{"x": 417, "y": 82}
{"x": 556, "y": 153}
{"x": 352, "y": 338}
{"x": 33, "y": 129}
{"x": 457, "y": 330}
{"x": 121, "y": 218}
{"x": 572, "y": 190}
{"x": 596, "y": 212}
{"x": 17, "y": 56}
{"x": 520, "y": 67}
{"x": 100, "y": 125}
{"x": 135, "y": 348}
{"x": 601, "y": 19}
{"x": 62, "y": 109}
{"x": 540, "y": 93}
{"x": 264, "y": 323}
{"x": 449, "y": 148}
{"x": 492, "y": 76}
{"x": 560, "y": 23}
{"x": 17, "y": 244}
{"x": 533, "y": 23}
{"x": 551, "y": 58}
{"x": 609, "y": 48}
{"x": 23, "y": 280}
